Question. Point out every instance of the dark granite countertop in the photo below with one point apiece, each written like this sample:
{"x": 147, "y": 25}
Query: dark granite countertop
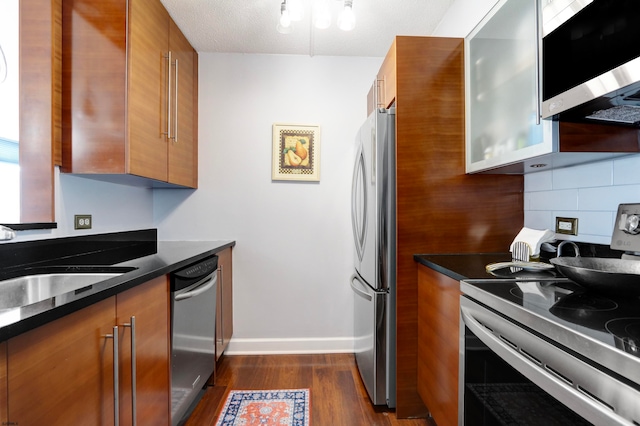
{"x": 472, "y": 266}
{"x": 464, "y": 265}
{"x": 136, "y": 249}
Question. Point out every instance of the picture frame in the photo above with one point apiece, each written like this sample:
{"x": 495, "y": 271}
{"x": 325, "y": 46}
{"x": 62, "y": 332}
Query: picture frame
{"x": 296, "y": 152}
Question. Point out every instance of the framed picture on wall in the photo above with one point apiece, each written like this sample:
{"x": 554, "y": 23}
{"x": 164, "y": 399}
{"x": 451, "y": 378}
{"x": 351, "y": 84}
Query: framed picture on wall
{"x": 296, "y": 152}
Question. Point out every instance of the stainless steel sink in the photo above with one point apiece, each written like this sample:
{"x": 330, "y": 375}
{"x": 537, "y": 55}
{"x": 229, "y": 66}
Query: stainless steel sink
{"x": 26, "y": 290}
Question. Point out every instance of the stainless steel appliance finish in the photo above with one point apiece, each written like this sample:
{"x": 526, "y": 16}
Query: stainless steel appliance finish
{"x": 193, "y": 324}
{"x": 590, "y": 66}
{"x": 567, "y": 344}
{"x": 373, "y": 281}
{"x": 537, "y": 330}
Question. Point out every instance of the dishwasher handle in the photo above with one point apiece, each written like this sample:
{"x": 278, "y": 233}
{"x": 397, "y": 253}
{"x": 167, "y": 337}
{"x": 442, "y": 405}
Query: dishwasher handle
{"x": 203, "y": 285}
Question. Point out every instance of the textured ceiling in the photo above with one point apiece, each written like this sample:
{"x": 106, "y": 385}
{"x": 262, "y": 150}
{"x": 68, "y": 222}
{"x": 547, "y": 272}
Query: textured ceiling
{"x": 249, "y": 26}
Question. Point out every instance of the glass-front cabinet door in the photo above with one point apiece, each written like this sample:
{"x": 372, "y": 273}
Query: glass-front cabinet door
{"x": 503, "y": 125}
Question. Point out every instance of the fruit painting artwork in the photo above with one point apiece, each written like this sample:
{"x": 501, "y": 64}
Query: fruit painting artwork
{"x": 296, "y": 152}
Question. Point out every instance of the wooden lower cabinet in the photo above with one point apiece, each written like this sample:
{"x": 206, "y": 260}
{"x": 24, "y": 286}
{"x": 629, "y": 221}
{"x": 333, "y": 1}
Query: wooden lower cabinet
{"x": 62, "y": 373}
{"x": 438, "y": 344}
{"x": 224, "y": 302}
{"x": 3, "y": 383}
{"x": 149, "y": 304}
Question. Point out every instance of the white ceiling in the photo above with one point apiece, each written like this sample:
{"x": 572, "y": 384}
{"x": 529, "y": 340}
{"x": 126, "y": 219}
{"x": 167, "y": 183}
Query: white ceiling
{"x": 249, "y": 26}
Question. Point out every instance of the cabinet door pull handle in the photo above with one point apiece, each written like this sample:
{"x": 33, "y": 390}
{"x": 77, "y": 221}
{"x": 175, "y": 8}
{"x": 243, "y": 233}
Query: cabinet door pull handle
{"x": 537, "y": 62}
{"x": 175, "y": 126}
{"x": 168, "y": 105}
{"x": 116, "y": 384}
{"x": 221, "y": 303}
{"x": 132, "y": 325}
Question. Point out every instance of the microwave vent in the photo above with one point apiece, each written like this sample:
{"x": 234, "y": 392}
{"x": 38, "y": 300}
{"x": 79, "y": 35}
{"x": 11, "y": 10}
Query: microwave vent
{"x": 627, "y": 114}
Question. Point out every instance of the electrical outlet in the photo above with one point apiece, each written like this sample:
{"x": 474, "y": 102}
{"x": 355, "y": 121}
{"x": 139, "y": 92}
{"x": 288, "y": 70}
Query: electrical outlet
{"x": 567, "y": 225}
{"x": 82, "y": 221}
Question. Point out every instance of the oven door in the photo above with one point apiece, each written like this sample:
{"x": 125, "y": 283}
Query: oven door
{"x": 511, "y": 376}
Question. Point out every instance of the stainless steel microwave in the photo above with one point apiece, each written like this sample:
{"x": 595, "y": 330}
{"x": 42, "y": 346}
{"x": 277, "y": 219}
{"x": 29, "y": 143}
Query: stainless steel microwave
{"x": 591, "y": 61}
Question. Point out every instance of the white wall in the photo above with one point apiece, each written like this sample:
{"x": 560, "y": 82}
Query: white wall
{"x": 293, "y": 257}
{"x": 113, "y": 208}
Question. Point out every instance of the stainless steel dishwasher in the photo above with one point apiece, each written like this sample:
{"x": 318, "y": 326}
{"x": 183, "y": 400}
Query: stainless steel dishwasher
{"x": 193, "y": 326}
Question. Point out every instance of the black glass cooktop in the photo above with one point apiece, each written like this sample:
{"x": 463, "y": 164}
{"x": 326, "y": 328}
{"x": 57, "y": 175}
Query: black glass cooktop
{"x": 611, "y": 320}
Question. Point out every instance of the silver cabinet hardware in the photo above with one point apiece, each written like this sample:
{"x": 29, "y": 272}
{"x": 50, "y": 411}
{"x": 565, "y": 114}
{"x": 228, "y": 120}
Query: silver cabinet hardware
{"x": 175, "y": 127}
{"x": 116, "y": 380}
{"x": 132, "y": 325}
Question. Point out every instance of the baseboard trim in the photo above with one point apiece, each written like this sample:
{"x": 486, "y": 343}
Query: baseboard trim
{"x": 239, "y": 346}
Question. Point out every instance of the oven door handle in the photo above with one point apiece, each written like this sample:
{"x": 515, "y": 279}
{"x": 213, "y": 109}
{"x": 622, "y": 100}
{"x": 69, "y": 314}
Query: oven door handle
{"x": 205, "y": 284}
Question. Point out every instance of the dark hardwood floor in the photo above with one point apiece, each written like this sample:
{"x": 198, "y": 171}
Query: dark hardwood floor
{"x": 338, "y": 397}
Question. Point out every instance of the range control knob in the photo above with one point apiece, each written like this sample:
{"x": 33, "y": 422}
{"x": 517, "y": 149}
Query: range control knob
{"x": 631, "y": 224}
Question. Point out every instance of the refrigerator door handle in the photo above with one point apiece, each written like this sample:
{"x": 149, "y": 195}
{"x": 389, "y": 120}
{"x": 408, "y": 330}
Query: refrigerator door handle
{"x": 359, "y": 222}
{"x": 359, "y": 292}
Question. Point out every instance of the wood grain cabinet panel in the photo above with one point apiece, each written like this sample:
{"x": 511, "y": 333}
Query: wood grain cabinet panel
{"x": 3, "y": 383}
{"x": 123, "y": 94}
{"x": 224, "y": 302}
{"x": 148, "y": 90}
{"x": 183, "y": 147}
{"x": 387, "y": 79}
{"x": 438, "y": 344}
{"x": 40, "y": 106}
{"x": 149, "y": 304}
{"x": 62, "y": 372}
{"x": 439, "y": 209}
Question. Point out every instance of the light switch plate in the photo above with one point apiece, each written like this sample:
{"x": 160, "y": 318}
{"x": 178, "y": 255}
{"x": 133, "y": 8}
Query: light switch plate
{"x": 567, "y": 225}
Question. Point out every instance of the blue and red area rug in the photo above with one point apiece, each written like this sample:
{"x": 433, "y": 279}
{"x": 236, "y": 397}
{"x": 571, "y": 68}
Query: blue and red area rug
{"x": 266, "y": 408}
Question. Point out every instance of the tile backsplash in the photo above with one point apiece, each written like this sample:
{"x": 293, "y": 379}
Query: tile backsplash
{"x": 589, "y": 192}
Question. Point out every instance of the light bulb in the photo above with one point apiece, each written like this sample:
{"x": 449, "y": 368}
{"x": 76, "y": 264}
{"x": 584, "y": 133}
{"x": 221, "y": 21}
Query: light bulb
{"x": 347, "y": 20}
{"x": 284, "y": 24}
{"x": 321, "y": 15}
{"x": 285, "y": 19}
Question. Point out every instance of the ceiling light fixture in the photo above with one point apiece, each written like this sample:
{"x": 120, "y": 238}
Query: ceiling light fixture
{"x": 347, "y": 20}
{"x": 284, "y": 25}
{"x": 321, "y": 14}
{"x": 292, "y": 10}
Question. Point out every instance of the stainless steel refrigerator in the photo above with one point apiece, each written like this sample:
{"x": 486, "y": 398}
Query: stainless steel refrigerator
{"x": 373, "y": 281}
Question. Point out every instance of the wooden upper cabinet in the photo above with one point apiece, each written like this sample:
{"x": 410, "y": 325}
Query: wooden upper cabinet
{"x": 387, "y": 79}
{"x": 40, "y": 100}
{"x": 183, "y": 149}
{"x": 148, "y": 89}
{"x": 120, "y": 89}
